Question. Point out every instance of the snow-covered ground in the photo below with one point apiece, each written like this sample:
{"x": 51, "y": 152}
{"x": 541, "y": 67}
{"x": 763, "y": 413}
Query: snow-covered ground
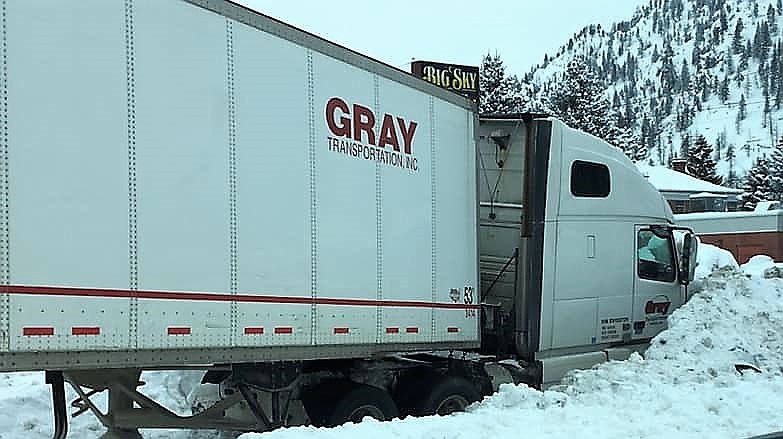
{"x": 686, "y": 386}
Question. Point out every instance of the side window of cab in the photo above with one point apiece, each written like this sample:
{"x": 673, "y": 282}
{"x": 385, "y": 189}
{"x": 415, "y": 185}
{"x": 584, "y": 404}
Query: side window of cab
{"x": 655, "y": 260}
{"x": 590, "y": 180}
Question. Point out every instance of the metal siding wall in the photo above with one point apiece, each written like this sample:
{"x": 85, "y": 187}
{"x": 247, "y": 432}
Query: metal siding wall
{"x": 406, "y": 222}
{"x": 274, "y": 186}
{"x": 456, "y": 222}
{"x": 182, "y": 166}
{"x": 345, "y": 200}
{"x": 68, "y": 156}
{"x": 68, "y": 168}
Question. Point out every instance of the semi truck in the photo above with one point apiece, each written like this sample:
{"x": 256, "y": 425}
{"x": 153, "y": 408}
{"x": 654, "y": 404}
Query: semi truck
{"x": 189, "y": 184}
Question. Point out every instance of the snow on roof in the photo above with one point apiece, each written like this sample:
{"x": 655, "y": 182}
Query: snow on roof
{"x": 665, "y": 179}
{"x": 707, "y": 195}
{"x": 763, "y": 206}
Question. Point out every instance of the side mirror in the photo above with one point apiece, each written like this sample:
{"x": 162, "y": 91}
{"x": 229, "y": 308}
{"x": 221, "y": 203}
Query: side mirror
{"x": 690, "y": 247}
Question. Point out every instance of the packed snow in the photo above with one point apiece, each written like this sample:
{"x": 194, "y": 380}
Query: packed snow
{"x": 687, "y": 385}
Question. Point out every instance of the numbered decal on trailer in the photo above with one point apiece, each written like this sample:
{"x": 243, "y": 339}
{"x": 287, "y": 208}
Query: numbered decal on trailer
{"x": 469, "y": 312}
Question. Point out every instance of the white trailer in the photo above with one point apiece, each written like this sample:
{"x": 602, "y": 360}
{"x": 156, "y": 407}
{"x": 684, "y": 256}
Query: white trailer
{"x": 191, "y": 184}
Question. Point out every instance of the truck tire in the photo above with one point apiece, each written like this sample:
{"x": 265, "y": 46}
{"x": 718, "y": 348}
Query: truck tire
{"x": 336, "y": 403}
{"x": 448, "y": 395}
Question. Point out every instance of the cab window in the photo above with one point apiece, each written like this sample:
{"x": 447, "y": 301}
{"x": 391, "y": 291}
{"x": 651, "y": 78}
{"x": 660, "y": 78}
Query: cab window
{"x": 590, "y": 179}
{"x": 655, "y": 260}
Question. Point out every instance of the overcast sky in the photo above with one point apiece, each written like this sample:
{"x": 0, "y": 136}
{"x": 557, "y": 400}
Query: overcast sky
{"x": 460, "y": 32}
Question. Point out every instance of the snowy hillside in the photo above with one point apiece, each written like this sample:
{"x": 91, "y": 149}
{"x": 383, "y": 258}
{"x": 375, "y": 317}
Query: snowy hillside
{"x": 687, "y": 385}
{"x": 684, "y": 68}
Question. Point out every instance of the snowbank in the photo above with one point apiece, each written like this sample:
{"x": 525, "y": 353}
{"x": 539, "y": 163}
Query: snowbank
{"x": 711, "y": 258}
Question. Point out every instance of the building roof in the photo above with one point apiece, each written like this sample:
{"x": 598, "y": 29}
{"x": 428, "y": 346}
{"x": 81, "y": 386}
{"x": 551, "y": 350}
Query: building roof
{"x": 669, "y": 180}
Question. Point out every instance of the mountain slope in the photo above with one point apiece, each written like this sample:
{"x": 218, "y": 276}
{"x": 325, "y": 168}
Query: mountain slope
{"x": 683, "y": 68}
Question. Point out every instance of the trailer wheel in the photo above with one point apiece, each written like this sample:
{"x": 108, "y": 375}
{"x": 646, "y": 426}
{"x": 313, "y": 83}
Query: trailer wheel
{"x": 448, "y": 395}
{"x": 357, "y": 402}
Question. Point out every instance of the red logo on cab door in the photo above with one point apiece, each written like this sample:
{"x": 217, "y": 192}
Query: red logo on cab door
{"x": 659, "y": 305}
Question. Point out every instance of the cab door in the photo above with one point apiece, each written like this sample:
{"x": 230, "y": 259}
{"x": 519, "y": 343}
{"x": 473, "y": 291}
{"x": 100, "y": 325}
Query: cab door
{"x": 657, "y": 292}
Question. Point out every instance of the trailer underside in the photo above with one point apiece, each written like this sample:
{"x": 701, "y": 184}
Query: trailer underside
{"x": 265, "y": 396}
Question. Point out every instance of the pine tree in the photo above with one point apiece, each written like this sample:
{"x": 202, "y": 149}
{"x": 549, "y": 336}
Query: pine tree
{"x": 765, "y": 116}
{"x": 499, "y": 93}
{"x": 762, "y": 41}
{"x": 732, "y": 180}
{"x": 699, "y": 33}
{"x": 756, "y": 185}
{"x": 579, "y": 100}
{"x": 685, "y": 146}
{"x": 629, "y": 116}
{"x": 729, "y": 64}
{"x": 743, "y": 111}
{"x": 778, "y": 94}
{"x": 667, "y": 76}
{"x": 774, "y": 71}
{"x": 737, "y": 42}
{"x": 775, "y": 172}
{"x": 724, "y": 90}
{"x": 685, "y": 77}
{"x": 720, "y": 145}
{"x": 700, "y": 162}
{"x": 744, "y": 57}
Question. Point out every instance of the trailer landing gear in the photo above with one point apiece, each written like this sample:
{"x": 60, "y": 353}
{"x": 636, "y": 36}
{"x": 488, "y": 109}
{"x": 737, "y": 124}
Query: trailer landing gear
{"x": 119, "y": 399}
{"x": 129, "y": 409}
{"x": 55, "y": 379}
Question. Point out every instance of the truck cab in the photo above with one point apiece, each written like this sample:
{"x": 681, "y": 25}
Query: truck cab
{"x": 578, "y": 259}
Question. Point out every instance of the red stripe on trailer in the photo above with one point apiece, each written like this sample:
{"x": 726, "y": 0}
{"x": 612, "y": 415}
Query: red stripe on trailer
{"x": 85, "y": 330}
{"x": 284, "y": 330}
{"x": 37, "y": 331}
{"x": 392, "y": 330}
{"x": 220, "y": 297}
{"x": 412, "y": 330}
{"x": 453, "y": 329}
{"x": 341, "y": 330}
{"x": 176, "y": 330}
{"x": 254, "y": 331}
